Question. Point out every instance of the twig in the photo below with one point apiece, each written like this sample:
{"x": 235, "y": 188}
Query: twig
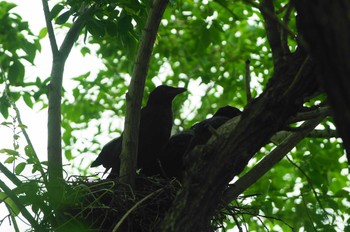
{"x": 308, "y": 179}
{"x": 273, "y": 17}
{"x": 269, "y": 161}
{"x": 134, "y": 207}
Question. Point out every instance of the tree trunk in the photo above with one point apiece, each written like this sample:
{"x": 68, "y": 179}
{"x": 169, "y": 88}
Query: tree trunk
{"x": 325, "y": 26}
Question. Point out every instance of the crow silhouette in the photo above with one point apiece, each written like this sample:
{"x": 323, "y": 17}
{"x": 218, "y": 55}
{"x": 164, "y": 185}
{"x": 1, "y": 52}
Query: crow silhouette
{"x": 172, "y": 157}
{"x": 155, "y": 127}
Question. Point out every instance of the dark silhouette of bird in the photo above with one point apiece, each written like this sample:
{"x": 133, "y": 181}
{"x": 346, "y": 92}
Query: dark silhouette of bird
{"x": 156, "y": 121}
{"x": 172, "y": 157}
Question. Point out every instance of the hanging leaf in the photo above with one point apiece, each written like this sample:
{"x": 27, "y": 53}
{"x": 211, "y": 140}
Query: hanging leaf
{"x": 16, "y": 73}
{"x": 63, "y": 18}
{"x": 20, "y": 167}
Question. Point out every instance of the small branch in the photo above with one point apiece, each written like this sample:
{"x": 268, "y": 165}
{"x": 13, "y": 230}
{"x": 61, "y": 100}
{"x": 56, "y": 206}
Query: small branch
{"x": 50, "y": 30}
{"x": 247, "y": 81}
{"x": 269, "y": 161}
{"x": 128, "y": 156}
{"x": 134, "y": 207}
{"x": 298, "y": 75}
{"x": 9, "y": 175}
{"x": 284, "y": 33}
{"x": 309, "y": 181}
{"x": 29, "y": 142}
{"x": 323, "y": 134}
{"x": 303, "y": 116}
{"x": 273, "y": 17}
{"x": 74, "y": 32}
{"x": 4, "y": 170}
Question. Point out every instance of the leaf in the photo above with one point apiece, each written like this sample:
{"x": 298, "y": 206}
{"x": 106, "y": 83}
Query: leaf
{"x": 9, "y": 151}
{"x": 42, "y": 33}
{"x": 16, "y": 73}
{"x": 30, "y": 49}
{"x": 85, "y": 50}
{"x": 4, "y": 110}
{"x": 20, "y": 167}
{"x": 63, "y": 18}
{"x": 28, "y": 99}
{"x": 95, "y": 28}
{"x": 56, "y": 10}
{"x": 10, "y": 160}
{"x": 29, "y": 151}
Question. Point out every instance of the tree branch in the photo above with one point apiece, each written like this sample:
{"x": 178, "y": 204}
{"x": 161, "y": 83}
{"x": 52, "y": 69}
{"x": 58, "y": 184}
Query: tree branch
{"x": 272, "y": 30}
{"x": 74, "y": 32}
{"x": 50, "y": 30}
{"x": 284, "y": 33}
{"x": 269, "y": 161}
{"x": 128, "y": 156}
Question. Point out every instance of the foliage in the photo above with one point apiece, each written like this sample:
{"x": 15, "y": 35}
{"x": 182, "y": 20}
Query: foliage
{"x": 200, "y": 44}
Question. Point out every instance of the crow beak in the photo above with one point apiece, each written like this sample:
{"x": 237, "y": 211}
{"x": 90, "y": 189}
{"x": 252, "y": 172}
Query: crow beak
{"x": 175, "y": 91}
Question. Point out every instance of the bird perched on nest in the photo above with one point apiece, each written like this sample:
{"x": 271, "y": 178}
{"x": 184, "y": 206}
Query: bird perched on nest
{"x": 155, "y": 127}
{"x": 171, "y": 159}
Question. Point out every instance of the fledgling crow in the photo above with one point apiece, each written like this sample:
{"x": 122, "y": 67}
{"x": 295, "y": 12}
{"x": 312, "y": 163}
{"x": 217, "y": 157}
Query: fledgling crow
{"x": 179, "y": 145}
{"x": 155, "y": 127}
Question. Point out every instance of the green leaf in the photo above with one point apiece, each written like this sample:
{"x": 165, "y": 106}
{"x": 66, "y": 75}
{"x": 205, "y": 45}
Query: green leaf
{"x": 63, "y": 18}
{"x": 43, "y": 33}
{"x": 4, "y": 108}
{"x": 10, "y": 160}
{"x": 29, "y": 151}
{"x": 28, "y": 100}
{"x": 85, "y": 50}
{"x": 20, "y": 167}
{"x": 56, "y": 10}
{"x": 9, "y": 151}
{"x": 95, "y": 28}
{"x": 16, "y": 73}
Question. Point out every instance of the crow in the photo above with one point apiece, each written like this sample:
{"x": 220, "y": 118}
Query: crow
{"x": 172, "y": 157}
{"x": 155, "y": 127}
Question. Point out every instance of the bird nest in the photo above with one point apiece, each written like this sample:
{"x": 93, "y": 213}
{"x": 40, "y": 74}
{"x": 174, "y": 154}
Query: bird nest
{"x": 108, "y": 205}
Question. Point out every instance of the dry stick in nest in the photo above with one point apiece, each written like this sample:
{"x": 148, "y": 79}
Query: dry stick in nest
{"x": 134, "y": 207}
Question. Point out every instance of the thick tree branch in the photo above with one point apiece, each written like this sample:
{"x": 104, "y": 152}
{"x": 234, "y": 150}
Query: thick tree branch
{"x": 269, "y": 161}
{"x": 272, "y": 30}
{"x": 55, "y": 166}
{"x": 128, "y": 156}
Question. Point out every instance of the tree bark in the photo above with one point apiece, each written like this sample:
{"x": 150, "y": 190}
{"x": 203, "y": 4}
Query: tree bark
{"x": 128, "y": 157}
{"x": 325, "y": 26}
